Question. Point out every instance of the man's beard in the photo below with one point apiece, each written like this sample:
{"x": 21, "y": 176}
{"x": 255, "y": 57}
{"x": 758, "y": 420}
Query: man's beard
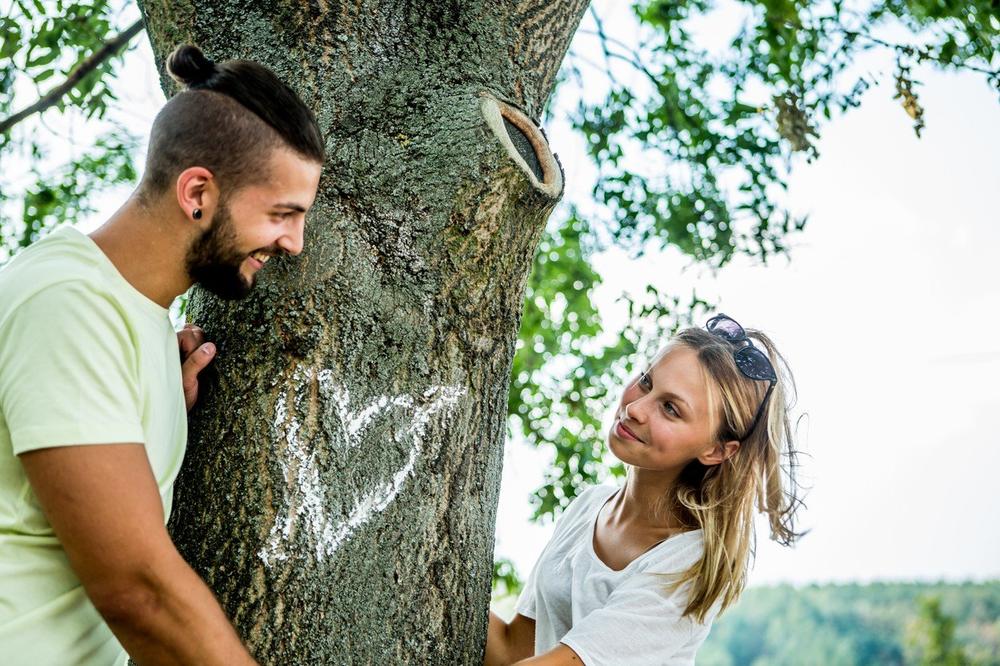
{"x": 214, "y": 262}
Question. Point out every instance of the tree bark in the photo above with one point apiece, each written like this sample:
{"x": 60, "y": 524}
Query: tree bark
{"x": 340, "y": 486}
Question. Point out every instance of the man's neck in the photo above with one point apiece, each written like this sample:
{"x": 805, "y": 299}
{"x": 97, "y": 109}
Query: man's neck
{"x": 149, "y": 248}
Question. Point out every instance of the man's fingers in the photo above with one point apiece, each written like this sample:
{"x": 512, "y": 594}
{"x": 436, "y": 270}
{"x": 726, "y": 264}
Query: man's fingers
{"x": 189, "y": 339}
{"x": 196, "y": 362}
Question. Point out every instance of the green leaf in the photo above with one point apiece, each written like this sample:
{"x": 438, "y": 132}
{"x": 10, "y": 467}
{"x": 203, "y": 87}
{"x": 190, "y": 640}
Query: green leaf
{"x": 42, "y": 76}
{"x": 45, "y": 59}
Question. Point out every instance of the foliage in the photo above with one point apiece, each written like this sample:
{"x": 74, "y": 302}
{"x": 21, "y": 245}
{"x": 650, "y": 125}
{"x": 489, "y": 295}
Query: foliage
{"x": 43, "y": 42}
{"x": 932, "y": 637}
{"x": 693, "y": 154}
{"x": 505, "y": 580}
{"x": 692, "y": 148}
{"x": 859, "y": 624}
{"x": 67, "y": 194}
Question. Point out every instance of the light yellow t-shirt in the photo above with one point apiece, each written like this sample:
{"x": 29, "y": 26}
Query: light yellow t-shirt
{"x": 84, "y": 359}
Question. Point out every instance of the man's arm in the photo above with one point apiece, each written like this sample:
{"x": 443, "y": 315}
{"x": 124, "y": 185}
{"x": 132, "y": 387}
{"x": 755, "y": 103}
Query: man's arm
{"x": 104, "y": 506}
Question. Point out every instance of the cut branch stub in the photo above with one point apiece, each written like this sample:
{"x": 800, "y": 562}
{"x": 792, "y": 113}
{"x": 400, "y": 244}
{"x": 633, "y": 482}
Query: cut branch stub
{"x": 525, "y": 143}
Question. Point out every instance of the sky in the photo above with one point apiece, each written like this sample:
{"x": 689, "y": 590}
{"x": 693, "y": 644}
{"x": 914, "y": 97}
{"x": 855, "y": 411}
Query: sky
{"x": 883, "y": 311}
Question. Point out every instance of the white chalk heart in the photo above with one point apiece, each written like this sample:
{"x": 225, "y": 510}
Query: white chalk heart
{"x": 304, "y": 504}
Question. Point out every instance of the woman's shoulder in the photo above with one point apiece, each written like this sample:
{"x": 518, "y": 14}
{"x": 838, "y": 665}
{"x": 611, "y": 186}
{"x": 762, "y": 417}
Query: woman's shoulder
{"x": 577, "y": 519}
{"x": 675, "y": 554}
{"x": 586, "y": 503}
{"x": 590, "y": 497}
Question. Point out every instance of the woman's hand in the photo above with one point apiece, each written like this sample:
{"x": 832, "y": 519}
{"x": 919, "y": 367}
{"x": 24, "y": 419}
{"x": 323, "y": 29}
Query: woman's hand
{"x": 509, "y": 643}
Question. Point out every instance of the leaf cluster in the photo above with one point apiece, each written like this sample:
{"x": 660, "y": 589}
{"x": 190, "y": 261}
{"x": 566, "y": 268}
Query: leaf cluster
{"x": 42, "y": 40}
{"x": 506, "y": 582}
{"x": 43, "y": 43}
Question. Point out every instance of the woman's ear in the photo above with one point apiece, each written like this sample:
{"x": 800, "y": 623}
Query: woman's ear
{"x": 719, "y": 453}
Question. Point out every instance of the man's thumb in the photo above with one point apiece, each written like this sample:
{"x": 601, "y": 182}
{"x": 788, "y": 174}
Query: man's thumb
{"x": 200, "y": 358}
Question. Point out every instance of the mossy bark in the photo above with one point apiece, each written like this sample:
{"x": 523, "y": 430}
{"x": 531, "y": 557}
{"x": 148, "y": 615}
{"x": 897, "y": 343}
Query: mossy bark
{"x": 340, "y": 486}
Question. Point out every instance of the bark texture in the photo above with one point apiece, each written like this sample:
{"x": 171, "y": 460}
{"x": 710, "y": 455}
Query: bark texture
{"x": 340, "y": 486}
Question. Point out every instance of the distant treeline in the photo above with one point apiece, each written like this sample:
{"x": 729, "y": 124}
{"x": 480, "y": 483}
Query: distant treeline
{"x": 841, "y": 625}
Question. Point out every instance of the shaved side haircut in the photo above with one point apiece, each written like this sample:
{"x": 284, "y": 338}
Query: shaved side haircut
{"x": 228, "y": 119}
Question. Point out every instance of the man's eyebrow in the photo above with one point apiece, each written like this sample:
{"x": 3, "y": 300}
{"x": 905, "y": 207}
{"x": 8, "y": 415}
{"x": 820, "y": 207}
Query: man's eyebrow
{"x": 292, "y": 206}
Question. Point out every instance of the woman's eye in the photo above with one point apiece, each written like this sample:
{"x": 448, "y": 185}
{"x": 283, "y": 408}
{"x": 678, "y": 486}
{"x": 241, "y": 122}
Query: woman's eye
{"x": 670, "y": 409}
{"x": 644, "y": 381}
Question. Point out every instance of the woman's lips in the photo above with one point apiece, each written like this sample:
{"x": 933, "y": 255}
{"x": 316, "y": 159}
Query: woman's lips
{"x": 622, "y": 431}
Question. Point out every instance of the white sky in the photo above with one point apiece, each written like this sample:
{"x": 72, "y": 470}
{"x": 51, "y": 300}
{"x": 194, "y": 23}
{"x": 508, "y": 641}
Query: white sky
{"x": 884, "y": 314}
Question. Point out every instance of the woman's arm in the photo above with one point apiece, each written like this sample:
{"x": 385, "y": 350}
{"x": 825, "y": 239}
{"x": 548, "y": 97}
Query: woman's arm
{"x": 561, "y": 655}
{"x": 509, "y": 643}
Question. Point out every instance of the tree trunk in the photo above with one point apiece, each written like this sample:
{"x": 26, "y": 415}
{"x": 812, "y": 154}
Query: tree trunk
{"x": 341, "y": 481}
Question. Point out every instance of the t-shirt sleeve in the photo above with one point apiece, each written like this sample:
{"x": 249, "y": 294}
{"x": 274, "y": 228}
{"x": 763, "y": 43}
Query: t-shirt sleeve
{"x": 68, "y": 371}
{"x": 642, "y": 618}
{"x": 526, "y": 602}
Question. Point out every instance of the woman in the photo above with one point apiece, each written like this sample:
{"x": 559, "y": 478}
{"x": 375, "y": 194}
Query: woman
{"x": 635, "y": 575}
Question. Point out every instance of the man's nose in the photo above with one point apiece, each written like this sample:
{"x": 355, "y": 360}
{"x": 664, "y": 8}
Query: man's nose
{"x": 292, "y": 240}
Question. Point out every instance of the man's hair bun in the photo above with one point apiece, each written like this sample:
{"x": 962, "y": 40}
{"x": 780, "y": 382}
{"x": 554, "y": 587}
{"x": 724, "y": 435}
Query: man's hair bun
{"x": 188, "y": 65}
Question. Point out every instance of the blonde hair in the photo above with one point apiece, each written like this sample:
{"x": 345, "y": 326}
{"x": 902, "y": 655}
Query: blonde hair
{"x": 720, "y": 498}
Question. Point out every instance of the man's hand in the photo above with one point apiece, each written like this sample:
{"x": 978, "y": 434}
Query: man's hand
{"x": 196, "y": 354}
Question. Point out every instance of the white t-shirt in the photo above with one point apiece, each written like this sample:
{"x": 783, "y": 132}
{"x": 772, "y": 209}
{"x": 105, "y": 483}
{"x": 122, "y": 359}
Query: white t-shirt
{"x": 612, "y": 617}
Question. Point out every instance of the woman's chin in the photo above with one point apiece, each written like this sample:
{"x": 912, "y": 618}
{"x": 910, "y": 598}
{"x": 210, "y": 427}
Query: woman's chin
{"x": 619, "y": 449}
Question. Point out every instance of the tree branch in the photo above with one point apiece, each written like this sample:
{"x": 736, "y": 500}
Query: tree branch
{"x": 920, "y": 53}
{"x": 110, "y": 48}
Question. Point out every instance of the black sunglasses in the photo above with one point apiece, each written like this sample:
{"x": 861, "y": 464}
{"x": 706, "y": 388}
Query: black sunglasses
{"x": 752, "y": 362}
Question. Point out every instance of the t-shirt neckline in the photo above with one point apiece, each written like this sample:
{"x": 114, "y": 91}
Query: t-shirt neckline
{"x": 145, "y": 302}
{"x": 651, "y": 549}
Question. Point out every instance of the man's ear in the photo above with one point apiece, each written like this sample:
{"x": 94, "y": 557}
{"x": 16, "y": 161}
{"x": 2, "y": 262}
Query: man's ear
{"x": 719, "y": 453}
{"x": 197, "y": 191}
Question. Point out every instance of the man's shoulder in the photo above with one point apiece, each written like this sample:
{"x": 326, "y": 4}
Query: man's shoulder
{"x": 57, "y": 267}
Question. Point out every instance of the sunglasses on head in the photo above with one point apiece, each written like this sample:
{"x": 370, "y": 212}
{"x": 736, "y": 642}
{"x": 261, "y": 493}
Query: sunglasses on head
{"x": 752, "y": 362}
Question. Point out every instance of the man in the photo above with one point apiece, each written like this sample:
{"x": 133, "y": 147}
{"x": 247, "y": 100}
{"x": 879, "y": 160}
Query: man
{"x": 93, "y": 393}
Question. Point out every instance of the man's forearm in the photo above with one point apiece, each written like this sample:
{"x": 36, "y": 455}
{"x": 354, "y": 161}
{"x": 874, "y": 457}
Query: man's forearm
{"x": 169, "y": 616}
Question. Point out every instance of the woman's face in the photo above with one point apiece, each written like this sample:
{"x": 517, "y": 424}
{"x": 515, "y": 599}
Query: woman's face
{"x": 668, "y": 423}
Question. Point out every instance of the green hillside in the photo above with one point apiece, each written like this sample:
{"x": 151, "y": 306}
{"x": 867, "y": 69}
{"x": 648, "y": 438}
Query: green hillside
{"x": 881, "y": 623}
